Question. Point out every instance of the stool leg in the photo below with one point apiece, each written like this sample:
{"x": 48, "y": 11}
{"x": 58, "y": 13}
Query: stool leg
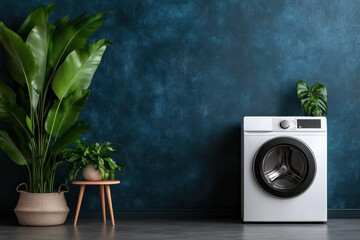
{"x": 108, "y": 195}
{"x": 102, "y": 194}
{"x": 81, "y": 194}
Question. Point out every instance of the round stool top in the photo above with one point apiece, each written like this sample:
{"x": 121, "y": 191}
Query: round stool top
{"x": 103, "y": 182}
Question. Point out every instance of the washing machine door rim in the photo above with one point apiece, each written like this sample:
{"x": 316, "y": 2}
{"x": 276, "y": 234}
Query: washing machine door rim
{"x": 284, "y": 167}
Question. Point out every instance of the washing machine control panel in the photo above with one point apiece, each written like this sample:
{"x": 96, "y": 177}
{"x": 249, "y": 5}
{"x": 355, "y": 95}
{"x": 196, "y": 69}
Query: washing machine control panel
{"x": 289, "y": 124}
{"x": 284, "y": 124}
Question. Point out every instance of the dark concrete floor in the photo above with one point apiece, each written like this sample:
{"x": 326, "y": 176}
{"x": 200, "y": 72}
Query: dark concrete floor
{"x": 183, "y": 229}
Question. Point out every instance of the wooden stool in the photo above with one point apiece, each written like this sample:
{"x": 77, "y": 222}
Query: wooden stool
{"x": 105, "y": 183}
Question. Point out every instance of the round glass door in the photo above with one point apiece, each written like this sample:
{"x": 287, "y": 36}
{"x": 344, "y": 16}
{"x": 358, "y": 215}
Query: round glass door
{"x": 284, "y": 167}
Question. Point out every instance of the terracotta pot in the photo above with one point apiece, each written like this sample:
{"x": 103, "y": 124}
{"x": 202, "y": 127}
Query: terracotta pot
{"x": 91, "y": 174}
{"x": 41, "y": 209}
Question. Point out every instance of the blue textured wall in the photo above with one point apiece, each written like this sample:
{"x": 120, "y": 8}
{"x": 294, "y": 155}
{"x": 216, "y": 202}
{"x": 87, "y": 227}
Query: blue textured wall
{"x": 182, "y": 74}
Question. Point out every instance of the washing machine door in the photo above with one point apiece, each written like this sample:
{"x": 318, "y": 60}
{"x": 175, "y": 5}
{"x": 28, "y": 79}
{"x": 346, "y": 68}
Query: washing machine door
{"x": 284, "y": 167}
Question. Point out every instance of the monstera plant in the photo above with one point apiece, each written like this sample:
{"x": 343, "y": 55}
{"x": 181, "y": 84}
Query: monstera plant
{"x": 52, "y": 67}
{"x": 313, "y": 100}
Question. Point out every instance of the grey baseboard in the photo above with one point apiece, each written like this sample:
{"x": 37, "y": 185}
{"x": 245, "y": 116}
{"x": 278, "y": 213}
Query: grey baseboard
{"x": 201, "y": 213}
{"x": 7, "y": 213}
{"x": 148, "y": 213}
{"x": 182, "y": 213}
{"x": 164, "y": 213}
{"x": 343, "y": 213}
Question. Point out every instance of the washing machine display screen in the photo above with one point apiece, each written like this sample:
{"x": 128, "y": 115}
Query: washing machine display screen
{"x": 309, "y": 123}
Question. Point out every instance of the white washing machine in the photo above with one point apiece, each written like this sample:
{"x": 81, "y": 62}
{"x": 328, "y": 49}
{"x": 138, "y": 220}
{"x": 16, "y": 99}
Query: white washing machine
{"x": 284, "y": 169}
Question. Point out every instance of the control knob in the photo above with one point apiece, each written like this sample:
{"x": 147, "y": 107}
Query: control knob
{"x": 284, "y": 124}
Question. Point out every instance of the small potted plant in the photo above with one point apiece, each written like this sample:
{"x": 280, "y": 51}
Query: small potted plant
{"x": 94, "y": 159}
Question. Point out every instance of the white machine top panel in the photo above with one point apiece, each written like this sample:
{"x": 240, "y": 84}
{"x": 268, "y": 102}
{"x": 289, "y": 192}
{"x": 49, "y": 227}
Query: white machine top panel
{"x": 284, "y": 124}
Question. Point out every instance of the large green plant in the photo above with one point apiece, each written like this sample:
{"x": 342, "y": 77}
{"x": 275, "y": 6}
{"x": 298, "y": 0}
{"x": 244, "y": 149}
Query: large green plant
{"x": 313, "y": 100}
{"x": 52, "y": 68}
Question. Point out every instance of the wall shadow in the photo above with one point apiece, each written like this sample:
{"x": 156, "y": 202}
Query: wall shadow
{"x": 225, "y": 156}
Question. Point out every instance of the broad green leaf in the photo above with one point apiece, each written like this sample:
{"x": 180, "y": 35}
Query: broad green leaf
{"x": 314, "y": 100}
{"x": 8, "y": 146}
{"x": 29, "y": 124}
{"x": 34, "y": 97}
{"x": 80, "y": 18}
{"x": 62, "y": 21}
{"x": 39, "y": 40}
{"x": 78, "y": 69}
{"x": 37, "y": 16}
{"x": 74, "y": 133}
{"x": 20, "y": 60}
{"x": 6, "y": 93}
{"x": 14, "y": 116}
{"x": 22, "y": 99}
{"x": 21, "y": 142}
{"x": 19, "y": 57}
{"x": 73, "y": 35}
{"x": 65, "y": 115}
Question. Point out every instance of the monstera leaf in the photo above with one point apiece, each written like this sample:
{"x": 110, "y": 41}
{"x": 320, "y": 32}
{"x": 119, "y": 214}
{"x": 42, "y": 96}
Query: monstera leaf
{"x": 314, "y": 100}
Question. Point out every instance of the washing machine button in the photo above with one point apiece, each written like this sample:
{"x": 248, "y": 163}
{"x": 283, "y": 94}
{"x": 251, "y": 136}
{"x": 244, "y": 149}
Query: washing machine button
{"x": 284, "y": 124}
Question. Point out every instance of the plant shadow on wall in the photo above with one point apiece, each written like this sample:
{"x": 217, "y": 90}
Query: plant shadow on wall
{"x": 52, "y": 68}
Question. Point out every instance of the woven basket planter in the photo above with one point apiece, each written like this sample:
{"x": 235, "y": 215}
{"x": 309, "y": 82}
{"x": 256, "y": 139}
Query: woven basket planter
{"x": 41, "y": 209}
